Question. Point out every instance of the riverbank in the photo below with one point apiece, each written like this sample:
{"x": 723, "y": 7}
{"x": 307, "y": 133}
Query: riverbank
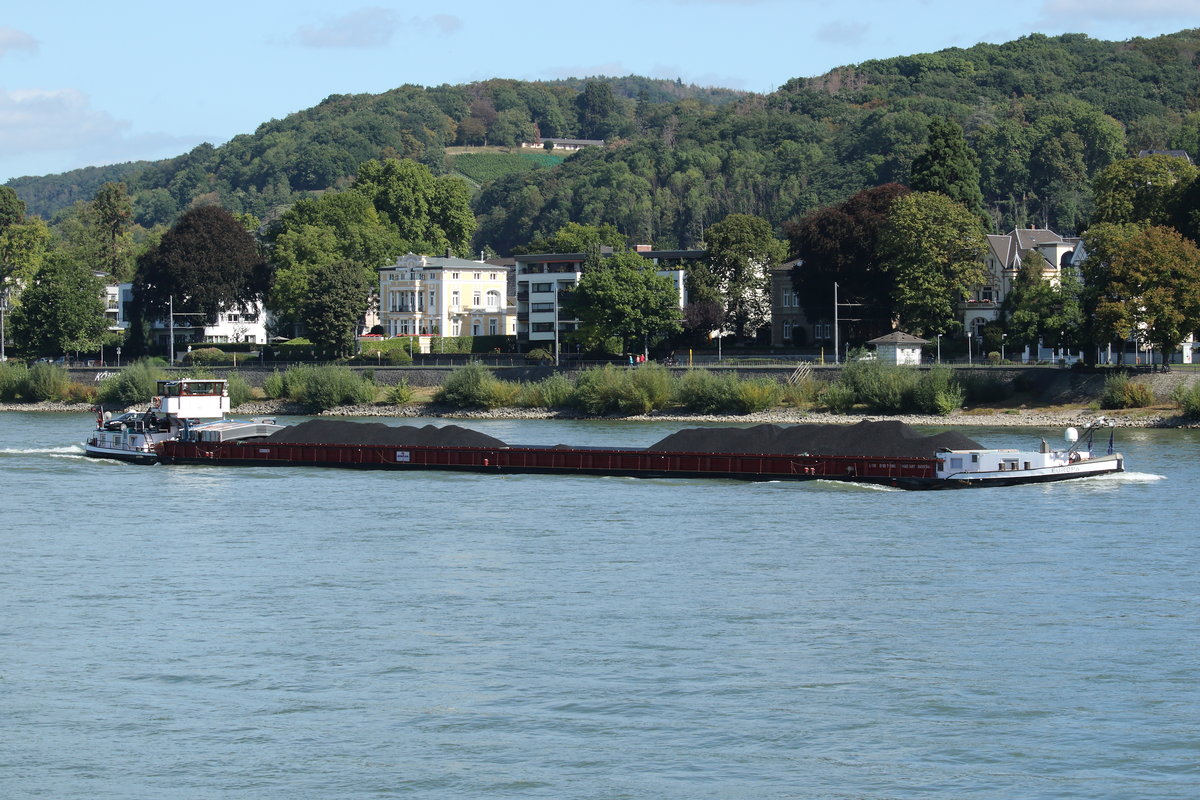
{"x": 982, "y": 417}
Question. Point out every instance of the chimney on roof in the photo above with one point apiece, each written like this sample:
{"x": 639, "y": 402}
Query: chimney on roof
{"x": 448, "y": 253}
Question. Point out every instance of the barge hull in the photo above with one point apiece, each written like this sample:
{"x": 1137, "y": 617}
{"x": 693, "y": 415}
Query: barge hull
{"x": 907, "y": 473}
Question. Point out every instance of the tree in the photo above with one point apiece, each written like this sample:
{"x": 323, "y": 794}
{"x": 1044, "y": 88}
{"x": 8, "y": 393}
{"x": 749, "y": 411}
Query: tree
{"x": 577, "y": 238}
{"x": 23, "y": 246}
{"x": 1142, "y": 190}
{"x": 625, "y": 298}
{"x": 207, "y": 262}
{"x": 318, "y": 232}
{"x": 12, "y": 208}
{"x": 742, "y": 251}
{"x": 1038, "y": 310}
{"x": 1148, "y": 284}
{"x": 430, "y": 215}
{"x": 600, "y": 113}
{"x": 949, "y": 166}
{"x": 110, "y": 215}
{"x": 61, "y": 310}
{"x": 841, "y": 244}
{"x": 934, "y": 249}
{"x": 338, "y": 296}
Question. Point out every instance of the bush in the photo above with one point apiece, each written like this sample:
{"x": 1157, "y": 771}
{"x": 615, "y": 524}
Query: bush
{"x": 758, "y": 394}
{"x": 838, "y": 397}
{"x": 1188, "y": 399}
{"x": 1122, "y": 392}
{"x": 399, "y": 394}
{"x": 983, "y": 388}
{"x": 804, "y": 392}
{"x": 133, "y": 385}
{"x": 938, "y": 392}
{"x": 608, "y": 390}
{"x": 14, "y": 381}
{"x": 322, "y": 388}
{"x": 474, "y": 386}
{"x": 883, "y": 388}
{"x": 82, "y": 393}
{"x": 240, "y": 392}
{"x": 47, "y": 382}
{"x": 273, "y": 386}
{"x": 206, "y": 355}
{"x": 705, "y": 391}
{"x": 553, "y": 392}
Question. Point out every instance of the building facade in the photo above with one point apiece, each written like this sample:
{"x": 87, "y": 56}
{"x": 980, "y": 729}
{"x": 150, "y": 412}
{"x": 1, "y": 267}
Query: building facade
{"x": 544, "y": 280}
{"x": 431, "y": 296}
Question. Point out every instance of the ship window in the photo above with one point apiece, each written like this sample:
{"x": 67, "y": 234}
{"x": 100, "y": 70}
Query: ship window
{"x": 956, "y": 463}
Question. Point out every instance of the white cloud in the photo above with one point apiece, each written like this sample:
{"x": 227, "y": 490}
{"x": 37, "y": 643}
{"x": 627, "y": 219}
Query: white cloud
{"x": 851, "y": 33}
{"x": 12, "y": 39}
{"x": 53, "y": 130}
{"x": 1142, "y": 10}
{"x": 372, "y": 26}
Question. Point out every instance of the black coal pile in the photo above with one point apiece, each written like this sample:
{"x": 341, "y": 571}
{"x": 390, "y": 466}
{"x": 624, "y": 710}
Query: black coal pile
{"x": 335, "y": 431}
{"x": 889, "y": 439}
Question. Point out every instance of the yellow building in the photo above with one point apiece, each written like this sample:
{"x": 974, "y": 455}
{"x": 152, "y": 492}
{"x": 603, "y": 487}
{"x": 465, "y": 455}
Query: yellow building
{"x": 426, "y": 295}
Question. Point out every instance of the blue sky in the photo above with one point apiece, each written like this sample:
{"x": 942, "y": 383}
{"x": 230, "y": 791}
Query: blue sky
{"x": 86, "y": 83}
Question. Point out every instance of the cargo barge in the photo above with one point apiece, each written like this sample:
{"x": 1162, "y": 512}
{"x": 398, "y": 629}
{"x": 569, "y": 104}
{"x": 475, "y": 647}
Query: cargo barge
{"x": 901, "y": 458}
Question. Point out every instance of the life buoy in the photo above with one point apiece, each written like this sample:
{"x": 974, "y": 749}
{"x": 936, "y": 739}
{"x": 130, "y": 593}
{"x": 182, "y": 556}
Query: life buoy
{"x": 156, "y": 402}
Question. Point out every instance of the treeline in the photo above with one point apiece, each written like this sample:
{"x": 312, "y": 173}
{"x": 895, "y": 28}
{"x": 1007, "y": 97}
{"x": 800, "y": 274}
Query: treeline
{"x": 1042, "y": 115}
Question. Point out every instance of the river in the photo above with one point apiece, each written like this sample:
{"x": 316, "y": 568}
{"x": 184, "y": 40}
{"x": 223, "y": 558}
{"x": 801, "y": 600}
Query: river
{"x": 256, "y": 632}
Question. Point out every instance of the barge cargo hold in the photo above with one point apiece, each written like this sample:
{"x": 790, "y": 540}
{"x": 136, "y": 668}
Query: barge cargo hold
{"x": 883, "y": 453}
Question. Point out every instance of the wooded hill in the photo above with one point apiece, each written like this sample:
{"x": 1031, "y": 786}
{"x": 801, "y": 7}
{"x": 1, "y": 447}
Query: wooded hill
{"x": 1042, "y": 114}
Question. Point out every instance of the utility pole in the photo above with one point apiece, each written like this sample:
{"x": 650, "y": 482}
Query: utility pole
{"x": 835, "y": 323}
{"x": 3, "y": 308}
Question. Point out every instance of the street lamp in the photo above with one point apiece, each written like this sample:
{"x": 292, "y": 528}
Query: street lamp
{"x": 1003, "y": 339}
{"x": 3, "y": 308}
{"x": 939, "y": 348}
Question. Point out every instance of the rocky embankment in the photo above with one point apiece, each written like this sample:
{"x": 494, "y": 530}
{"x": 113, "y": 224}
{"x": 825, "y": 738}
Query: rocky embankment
{"x": 1031, "y": 418}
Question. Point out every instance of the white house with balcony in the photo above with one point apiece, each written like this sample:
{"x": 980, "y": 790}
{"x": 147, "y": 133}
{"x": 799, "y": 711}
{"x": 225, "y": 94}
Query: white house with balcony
{"x": 432, "y": 296}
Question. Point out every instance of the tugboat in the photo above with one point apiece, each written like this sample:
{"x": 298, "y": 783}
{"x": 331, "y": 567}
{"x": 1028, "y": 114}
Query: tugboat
{"x": 177, "y": 406}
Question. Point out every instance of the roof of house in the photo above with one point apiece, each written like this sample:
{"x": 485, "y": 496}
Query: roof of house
{"x": 898, "y": 337}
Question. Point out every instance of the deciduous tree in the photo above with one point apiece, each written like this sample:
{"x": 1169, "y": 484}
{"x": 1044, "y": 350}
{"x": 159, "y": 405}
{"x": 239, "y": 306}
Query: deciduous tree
{"x": 742, "y": 251}
{"x": 207, "y": 262}
{"x": 338, "y": 296}
{"x": 934, "y": 248}
{"x": 624, "y": 298}
{"x": 61, "y": 310}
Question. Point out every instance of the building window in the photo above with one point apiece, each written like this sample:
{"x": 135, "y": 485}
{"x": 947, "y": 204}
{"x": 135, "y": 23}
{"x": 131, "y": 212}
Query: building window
{"x": 542, "y": 327}
{"x": 822, "y": 330}
{"x": 454, "y": 301}
{"x": 475, "y": 328}
{"x": 493, "y": 299}
{"x": 541, "y": 306}
{"x": 787, "y": 331}
{"x": 540, "y": 287}
{"x": 454, "y": 276}
{"x": 477, "y": 276}
{"x": 985, "y": 294}
{"x": 491, "y": 327}
{"x": 491, "y": 276}
{"x": 476, "y": 298}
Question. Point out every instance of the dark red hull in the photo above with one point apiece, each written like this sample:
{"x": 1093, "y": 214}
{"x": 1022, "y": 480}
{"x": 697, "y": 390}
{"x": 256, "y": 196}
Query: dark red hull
{"x": 908, "y": 473}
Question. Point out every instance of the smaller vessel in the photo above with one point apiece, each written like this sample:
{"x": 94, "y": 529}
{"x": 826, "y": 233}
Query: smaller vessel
{"x": 177, "y": 406}
{"x": 984, "y": 467}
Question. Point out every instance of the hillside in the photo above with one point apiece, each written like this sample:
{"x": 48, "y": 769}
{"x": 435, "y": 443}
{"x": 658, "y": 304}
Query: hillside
{"x": 1042, "y": 114}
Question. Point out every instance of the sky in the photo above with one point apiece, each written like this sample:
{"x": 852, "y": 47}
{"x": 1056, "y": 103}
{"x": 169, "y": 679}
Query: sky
{"x": 84, "y": 83}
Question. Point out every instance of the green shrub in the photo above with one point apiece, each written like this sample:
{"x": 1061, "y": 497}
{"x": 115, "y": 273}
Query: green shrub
{"x": 322, "y": 388}
{"x": 555, "y": 391}
{"x": 1188, "y": 398}
{"x": 984, "y": 388}
{"x": 47, "y": 382}
{"x": 707, "y": 392}
{"x": 653, "y": 382}
{"x": 14, "y": 381}
{"x": 938, "y": 392}
{"x": 839, "y": 397}
{"x": 273, "y": 386}
{"x": 206, "y": 355}
{"x": 82, "y": 393}
{"x": 881, "y": 387}
{"x": 240, "y": 392}
{"x": 804, "y": 392}
{"x": 1122, "y": 392}
{"x": 758, "y": 394}
{"x": 133, "y": 385}
{"x": 399, "y": 394}
{"x": 474, "y": 386}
